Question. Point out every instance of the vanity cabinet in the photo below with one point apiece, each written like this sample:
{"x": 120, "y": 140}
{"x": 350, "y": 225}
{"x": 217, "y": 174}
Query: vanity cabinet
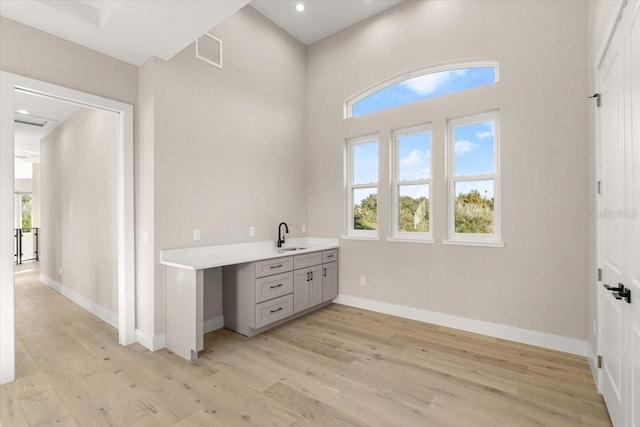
{"x": 259, "y": 295}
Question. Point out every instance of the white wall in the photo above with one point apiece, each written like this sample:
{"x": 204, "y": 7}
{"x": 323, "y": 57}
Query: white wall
{"x": 538, "y": 280}
{"x": 227, "y": 146}
{"x": 79, "y": 206}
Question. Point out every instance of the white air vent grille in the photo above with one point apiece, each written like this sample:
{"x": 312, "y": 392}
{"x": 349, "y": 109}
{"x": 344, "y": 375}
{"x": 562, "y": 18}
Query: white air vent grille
{"x": 25, "y": 119}
{"x": 209, "y": 49}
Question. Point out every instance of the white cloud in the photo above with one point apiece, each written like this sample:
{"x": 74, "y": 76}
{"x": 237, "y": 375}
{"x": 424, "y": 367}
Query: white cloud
{"x": 427, "y": 84}
{"x": 463, "y": 147}
{"x": 415, "y": 165}
{"x": 485, "y": 134}
{"x": 414, "y": 158}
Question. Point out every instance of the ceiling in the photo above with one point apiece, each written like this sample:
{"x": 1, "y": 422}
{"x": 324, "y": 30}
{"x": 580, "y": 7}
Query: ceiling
{"x": 134, "y": 30}
{"x": 320, "y": 18}
{"x": 130, "y": 30}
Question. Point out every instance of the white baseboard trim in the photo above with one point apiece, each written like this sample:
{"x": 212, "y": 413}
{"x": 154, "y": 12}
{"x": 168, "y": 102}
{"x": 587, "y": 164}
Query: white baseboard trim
{"x": 593, "y": 365}
{"x": 511, "y": 333}
{"x": 152, "y": 342}
{"x": 82, "y": 301}
{"x": 213, "y": 324}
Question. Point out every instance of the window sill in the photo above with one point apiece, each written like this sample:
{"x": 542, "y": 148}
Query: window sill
{"x": 370, "y": 238}
{"x": 493, "y": 244}
{"x": 409, "y": 240}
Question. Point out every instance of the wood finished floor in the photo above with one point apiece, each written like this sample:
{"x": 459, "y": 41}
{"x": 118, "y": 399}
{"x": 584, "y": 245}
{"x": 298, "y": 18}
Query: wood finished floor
{"x": 337, "y": 366}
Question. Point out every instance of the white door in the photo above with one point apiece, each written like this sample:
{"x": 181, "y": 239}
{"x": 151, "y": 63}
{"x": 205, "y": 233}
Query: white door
{"x": 618, "y": 222}
{"x": 633, "y": 222}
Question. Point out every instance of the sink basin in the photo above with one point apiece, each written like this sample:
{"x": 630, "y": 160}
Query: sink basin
{"x": 290, "y": 249}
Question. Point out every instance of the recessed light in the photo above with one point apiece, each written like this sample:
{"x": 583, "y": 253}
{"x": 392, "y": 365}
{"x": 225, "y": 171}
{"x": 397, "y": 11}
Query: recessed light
{"x": 300, "y": 7}
{"x": 22, "y": 112}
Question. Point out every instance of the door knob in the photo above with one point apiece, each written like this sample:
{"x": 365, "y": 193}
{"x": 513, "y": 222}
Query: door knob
{"x": 619, "y": 288}
{"x": 626, "y": 295}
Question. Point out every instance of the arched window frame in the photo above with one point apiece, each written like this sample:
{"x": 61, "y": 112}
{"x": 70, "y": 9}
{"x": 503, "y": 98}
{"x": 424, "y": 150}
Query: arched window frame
{"x": 478, "y": 63}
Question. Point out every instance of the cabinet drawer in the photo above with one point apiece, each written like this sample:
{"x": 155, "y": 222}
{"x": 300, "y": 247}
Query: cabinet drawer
{"x": 273, "y": 266}
{"x": 328, "y": 256}
{"x": 273, "y": 286}
{"x": 273, "y": 310}
{"x": 307, "y": 260}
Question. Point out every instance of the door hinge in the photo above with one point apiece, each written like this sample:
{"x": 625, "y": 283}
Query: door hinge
{"x": 600, "y": 362}
{"x": 598, "y": 98}
{"x": 600, "y": 187}
{"x": 599, "y": 274}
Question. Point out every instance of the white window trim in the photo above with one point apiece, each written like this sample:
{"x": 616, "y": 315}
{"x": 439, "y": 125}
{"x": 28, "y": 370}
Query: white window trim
{"x": 396, "y": 234}
{"x": 472, "y": 63}
{"x": 474, "y": 239}
{"x": 351, "y": 232}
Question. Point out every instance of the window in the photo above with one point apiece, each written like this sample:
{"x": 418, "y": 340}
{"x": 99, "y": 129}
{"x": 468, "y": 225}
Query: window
{"x": 474, "y": 209}
{"x": 421, "y": 85}
{"x": 411, "y": 187}
{"x": 363, "y": 186}
{"x": 26, "y": 212}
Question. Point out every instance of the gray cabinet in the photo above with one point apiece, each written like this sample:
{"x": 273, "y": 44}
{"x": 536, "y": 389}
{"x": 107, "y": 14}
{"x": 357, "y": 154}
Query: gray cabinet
{"x": 329, "y": 281}
{"x": 307, "y": 291}
{"x": 258, "y": 295}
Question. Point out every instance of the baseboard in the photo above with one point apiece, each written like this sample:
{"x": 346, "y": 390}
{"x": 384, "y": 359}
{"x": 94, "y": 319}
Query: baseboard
{"x": 152, "y": 342}
{"x": 213, "y": 324}
{"x": 511, "y": 333}
{"x": 593, "y": 365}
{"x": 82, "y": 301}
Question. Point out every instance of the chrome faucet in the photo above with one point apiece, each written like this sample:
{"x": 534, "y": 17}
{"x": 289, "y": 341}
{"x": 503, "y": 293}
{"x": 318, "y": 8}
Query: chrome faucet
{"x": 280, "y": 235}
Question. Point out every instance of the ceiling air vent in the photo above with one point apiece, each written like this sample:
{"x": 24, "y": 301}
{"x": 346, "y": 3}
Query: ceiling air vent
{"x": 209, "y": 49}
{"x": 25, "y": 119}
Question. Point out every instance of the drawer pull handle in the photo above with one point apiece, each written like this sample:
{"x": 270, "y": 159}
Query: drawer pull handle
{"x": 276, "y": 286}
{"x": 324, "y": 272}
{"x": 311, "y": 275}
{"x": 276, "y": 266}
{"x": 330, "y": 256}
{"x": 274, "y": 311}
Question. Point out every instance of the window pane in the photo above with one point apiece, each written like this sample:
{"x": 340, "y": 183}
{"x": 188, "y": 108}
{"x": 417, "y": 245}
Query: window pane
{"x": 474, "y": 206}
{"x": 365, "y": 208}
{"x": 474, "y": 145}
{"x": 26, "y": 212}
{"x": 413, "y": 208}
{"x": 365, "y": 163}
{"x": 424, "y": 87}
{"x": 414, "y": 153}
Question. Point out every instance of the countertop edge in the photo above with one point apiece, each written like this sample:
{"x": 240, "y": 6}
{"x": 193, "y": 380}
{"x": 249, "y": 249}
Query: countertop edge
{"x": 213, "y": 260}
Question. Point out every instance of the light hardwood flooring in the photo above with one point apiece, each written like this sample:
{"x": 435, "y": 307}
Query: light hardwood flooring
{"x": 337, "y": 366}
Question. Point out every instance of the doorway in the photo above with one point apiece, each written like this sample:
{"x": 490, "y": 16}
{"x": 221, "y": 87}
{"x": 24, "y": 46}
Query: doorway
{"x": 9, "y": 83}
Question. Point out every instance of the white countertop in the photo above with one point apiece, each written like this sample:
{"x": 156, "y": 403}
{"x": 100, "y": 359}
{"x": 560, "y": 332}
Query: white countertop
{"x": 220, "y": 255}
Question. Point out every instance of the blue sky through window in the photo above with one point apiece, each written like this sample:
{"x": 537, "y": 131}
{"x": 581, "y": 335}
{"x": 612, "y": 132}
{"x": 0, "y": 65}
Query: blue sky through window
{"x": 424, "y": 87}
{"x": 365, "y": 163}
{"x": 474, "y": 155}
{"x": 414, "y": 153}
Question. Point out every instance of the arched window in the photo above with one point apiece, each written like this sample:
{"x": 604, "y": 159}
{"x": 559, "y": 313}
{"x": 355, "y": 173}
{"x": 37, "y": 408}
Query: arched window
{"x": 423, "y": 84}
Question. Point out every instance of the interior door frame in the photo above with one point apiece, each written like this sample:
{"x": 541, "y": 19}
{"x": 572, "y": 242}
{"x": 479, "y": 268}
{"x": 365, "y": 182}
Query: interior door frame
{"x": 611, "y": 28}
{"x": 125, "y": 208}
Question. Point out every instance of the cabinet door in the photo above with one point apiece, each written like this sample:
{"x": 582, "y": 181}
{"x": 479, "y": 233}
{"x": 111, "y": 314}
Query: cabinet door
{"x": 315, "y": 286}
{"x": 301, "y": 290}
{"x": 329, "y": 281}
